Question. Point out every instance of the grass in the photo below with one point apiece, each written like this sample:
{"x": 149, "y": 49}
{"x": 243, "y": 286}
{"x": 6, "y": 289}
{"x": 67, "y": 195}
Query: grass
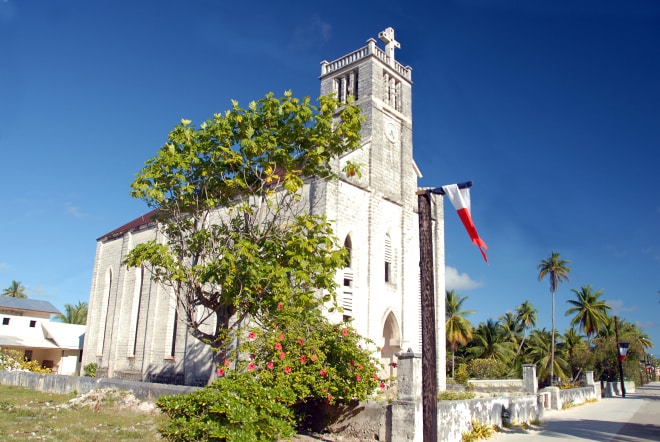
{"x": 34, "y": 415}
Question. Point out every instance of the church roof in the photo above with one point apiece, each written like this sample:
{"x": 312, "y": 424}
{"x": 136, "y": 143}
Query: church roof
{"x": 137, "y": 223}
{"x": 25, "y": 304}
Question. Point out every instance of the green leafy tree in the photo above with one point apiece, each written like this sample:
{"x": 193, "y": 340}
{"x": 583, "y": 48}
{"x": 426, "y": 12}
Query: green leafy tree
{"x": 231, "y": 206}
{"x": 73, "y": 314}
{"x": 15, "y": 290}
{"x": 590, "y": 312}
{"x": 458, "y": 328}
{"x": 557, "y": 270}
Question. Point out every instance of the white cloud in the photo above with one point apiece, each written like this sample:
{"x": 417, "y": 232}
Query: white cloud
{"x": 459, "y": 281}
{"x": 618, "y": 307}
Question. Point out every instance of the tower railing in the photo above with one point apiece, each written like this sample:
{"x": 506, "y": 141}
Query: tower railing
{"x": 363, "y": 52}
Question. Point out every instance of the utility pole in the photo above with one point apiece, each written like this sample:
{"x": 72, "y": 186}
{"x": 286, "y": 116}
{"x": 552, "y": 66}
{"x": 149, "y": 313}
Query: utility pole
{"x": 429, "y": 370}
{"x": 429, "y": 353}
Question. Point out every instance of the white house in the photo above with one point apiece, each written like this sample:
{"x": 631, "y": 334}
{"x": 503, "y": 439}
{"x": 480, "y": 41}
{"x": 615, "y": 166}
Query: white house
{"x": 25, "y": 326}
{"x": 133, "y": 329}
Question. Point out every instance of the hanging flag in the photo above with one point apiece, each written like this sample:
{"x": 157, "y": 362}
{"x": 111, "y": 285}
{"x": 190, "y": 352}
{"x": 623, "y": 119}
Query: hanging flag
{"x": 460, "y": 198}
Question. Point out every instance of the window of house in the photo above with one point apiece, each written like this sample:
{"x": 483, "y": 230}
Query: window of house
{"x": 33, "y": 323}
{"x": 28, "y": 355}
{"x": 5, "y": 321}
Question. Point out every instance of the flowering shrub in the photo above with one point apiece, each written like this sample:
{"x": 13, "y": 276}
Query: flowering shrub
{"x": 312, "y": 357}
{"x": 14, "y": 360}
{"x": 290, "y": 359}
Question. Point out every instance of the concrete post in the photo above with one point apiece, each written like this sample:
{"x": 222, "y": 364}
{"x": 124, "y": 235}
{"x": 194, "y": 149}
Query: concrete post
{"x": 589, "y": 377}
{"x": 406, "y": 418}
{"x": 529, "y": 378}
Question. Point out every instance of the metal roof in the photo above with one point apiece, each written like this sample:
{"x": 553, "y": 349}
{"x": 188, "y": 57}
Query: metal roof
{"x": 26, "y": 304}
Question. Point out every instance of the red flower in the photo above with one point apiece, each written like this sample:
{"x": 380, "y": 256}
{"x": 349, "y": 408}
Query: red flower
{"x": 251, "y": 366}
{"x": 375, "y": 376}
{"x": 287, "y": 369}
{"x": 323, "y": 373}
{"x": 382, "y": 385}
{"x": 360, "y": 367}
{"x": 251, "y": 335}
{"x": 352, "y": 363}
{"x": 393, "y": 364}
{"x": 221, "y": 372}
{"x": 358, "y": 377}
{"x": 344, "y": 332}
{"x": 280, "y": 337}
{"x": 303, "y": 359}
{"x": 329, "y": 397}
{"x": 270, "y": 365}
{"x": 282, "y": 355}
{"x": 279, "y": 306}
{"x": 300, "y": 341}
{"x": 226, "y": 363}
{"x": 278, "y": 346}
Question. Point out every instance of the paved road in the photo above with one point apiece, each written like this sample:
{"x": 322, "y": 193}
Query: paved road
{"x": 634, "y": 418}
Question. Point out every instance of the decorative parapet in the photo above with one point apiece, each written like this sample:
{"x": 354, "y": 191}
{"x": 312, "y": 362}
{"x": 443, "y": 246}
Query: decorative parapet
{"x": 363, "y": 52}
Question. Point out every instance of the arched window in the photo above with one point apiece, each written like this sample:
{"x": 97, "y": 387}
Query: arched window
{"x": 348, "y": 245}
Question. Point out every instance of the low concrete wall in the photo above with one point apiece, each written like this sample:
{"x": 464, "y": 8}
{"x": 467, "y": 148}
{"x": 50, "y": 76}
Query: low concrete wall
{"x": 612, "y": 389}
{"x": 63, "y": 384}
{"x": 455, "y": 417}
{"x": 496, "y": 385}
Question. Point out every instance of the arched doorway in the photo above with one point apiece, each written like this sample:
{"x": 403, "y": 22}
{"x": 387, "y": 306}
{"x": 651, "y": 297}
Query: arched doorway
{"x": 391, "y": 345}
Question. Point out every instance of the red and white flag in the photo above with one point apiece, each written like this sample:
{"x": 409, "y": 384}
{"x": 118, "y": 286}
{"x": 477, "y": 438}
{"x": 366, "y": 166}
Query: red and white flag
{"x": 460, "y": 198}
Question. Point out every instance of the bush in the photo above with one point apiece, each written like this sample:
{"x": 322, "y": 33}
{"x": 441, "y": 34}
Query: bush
{"x": 486, "y": 369}
{"x": 234, "y": 408}
{"x": 90, "y": 370}
{"x": 15, "y": 360}
{"x": 461, "y": 374}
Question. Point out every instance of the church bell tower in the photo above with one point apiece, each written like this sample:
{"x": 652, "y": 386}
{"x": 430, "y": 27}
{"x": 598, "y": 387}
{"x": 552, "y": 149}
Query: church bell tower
{"x": 375, "y": 213}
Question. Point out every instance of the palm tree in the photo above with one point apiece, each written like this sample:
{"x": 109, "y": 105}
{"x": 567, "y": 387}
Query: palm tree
{"x": 526, "y": 317}
{"x": 74, "y": 314}
{"x": 557, "y": 270}
{"x": 15, "y": 290}
{"x": 510, "y": 327}
{"x": 573, "y": 344}
{"x": 590, "y": 312}
{"x": 458, "y": 329}
{"x": 538, "y": 350}
{"x": 489, "y": 342}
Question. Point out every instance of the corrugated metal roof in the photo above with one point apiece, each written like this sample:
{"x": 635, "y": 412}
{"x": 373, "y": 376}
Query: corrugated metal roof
{"x": 27, "y": 304}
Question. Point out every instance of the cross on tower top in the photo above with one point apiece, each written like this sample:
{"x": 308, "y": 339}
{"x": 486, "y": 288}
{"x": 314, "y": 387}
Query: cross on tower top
{"x": 387, "y": 37}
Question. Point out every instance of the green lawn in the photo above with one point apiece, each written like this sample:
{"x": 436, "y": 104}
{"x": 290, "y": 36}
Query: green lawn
{"x": 34, "y": 415}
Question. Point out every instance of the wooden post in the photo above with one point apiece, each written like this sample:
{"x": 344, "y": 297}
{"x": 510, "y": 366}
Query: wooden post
{"x": 429, "y": 370}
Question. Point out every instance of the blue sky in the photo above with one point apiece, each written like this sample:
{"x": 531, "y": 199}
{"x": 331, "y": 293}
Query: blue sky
{"x": 551, "y": 108}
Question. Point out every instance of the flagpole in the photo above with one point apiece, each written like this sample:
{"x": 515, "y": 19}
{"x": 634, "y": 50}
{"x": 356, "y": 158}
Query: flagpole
{"x": 439, "y": 191}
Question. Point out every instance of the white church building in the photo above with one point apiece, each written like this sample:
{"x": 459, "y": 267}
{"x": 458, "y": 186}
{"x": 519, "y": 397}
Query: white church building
{"x": 133, "y": 331}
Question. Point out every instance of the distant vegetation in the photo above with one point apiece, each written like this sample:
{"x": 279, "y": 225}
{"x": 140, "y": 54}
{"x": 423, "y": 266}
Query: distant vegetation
{"x": 513, "y": 339}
